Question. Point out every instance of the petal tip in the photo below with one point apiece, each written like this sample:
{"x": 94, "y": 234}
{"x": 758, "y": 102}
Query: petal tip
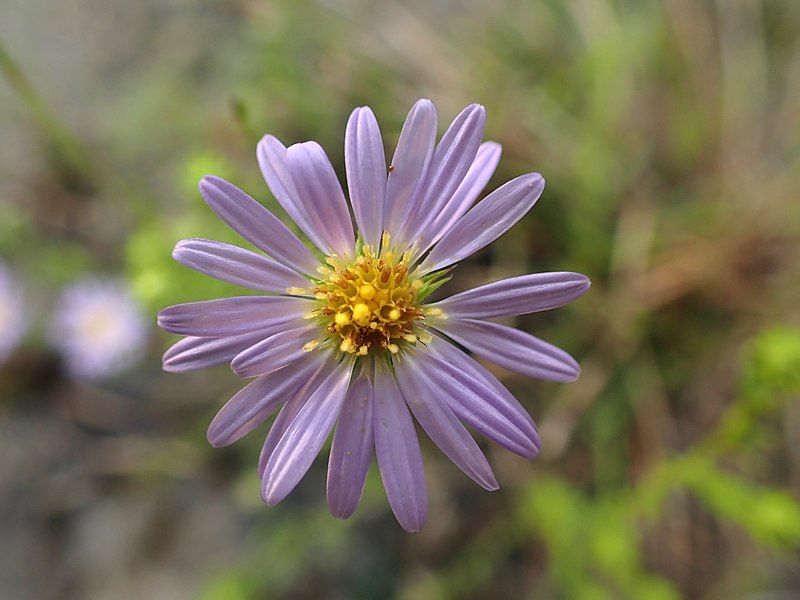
{"x": 242, "y": 370}
{"x": 573, "y": 374}
{"x": 535, "y": 179}
{"x": 478, "y": 108}
{"x": 414, "y": 526}
{"x": 267, "y": 145}
{"x": 425, "y": 106}
{"x": 342, "y": 512}
{"x": 179, "y": 250}
{"x": 527, "y": 446}
{"x": 162, "y": 319}
{"x": 268, "y": 138}
{"x": 268, "y": 494}
{"x": 205, "y": 181}
{"x": 215, "y": 437}
{"x": 535, "y": 445}
{"x": 218, "y": 432}
{"x": 167, "y": 365}
{"x": 580, "y": 284}
{"x": 489, "y": 483}
{"x": 239, "y": 365}
{"x": 209, "y": 184}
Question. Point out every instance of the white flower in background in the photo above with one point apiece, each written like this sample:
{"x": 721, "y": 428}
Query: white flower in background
{"x": 12, "y": 314}
{"x": 98, "y": 328}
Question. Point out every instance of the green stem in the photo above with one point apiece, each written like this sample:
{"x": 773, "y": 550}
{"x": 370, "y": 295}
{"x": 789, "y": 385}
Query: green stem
{"x": 69, "y": 152}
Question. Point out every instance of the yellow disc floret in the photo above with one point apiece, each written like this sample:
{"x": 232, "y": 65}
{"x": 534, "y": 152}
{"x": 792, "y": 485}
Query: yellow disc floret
{"x": 361, "y": 313}
{"x": 370, "y": 304}
{"x": 342, "y": 318}
{"x": 367, "y": 291}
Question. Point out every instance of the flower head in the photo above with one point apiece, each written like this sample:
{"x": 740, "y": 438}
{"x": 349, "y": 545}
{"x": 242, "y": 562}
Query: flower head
{"x": 345, "y": 335}
{"x": 98, "y": 328}
{"x": 371, "y": 304}
{"x": 12, "y": 314}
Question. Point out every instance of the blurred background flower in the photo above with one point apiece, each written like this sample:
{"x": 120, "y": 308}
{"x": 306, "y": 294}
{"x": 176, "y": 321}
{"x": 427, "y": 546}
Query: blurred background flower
{"x": 668, "y": 132}
{"x": 98, "y": 328}
{"x": 12, "y": 314}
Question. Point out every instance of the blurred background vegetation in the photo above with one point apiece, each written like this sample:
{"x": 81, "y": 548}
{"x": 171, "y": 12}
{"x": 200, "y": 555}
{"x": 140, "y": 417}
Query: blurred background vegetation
{"x": 669, "y": 134}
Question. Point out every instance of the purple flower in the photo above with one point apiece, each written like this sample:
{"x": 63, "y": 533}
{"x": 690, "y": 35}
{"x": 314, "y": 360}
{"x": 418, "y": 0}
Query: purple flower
{"x": 348, "y": 339}
{"x": 98, "y": 328}
{"x": 12, "y": 314}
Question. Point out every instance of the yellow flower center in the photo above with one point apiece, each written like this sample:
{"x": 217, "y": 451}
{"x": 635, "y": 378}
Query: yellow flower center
{"x": 370, "y": 304}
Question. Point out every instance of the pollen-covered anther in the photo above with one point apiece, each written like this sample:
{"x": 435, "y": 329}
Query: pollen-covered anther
{"x": 367, "y": 291}
{"x": 425, "y": 337}
{"x": 309, "y": 346}
{"x": 361, "y": 314}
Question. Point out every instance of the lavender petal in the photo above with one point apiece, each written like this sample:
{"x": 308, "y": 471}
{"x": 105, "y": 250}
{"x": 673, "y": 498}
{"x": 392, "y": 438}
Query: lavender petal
{"x": 427, "y": 403}
{"x": 512, "y": 349}
{"x": 365, "y": 164}
{"x": 254, "y": 403}
{"x": 409, "y": 164}
{"x": 488, "y": 220}
{"x": 398, "y": 453}
{"x": 516, "y": 296}
{"x": 289, "y": 412}
{"x": 302, "y": 180}
{"x": 192, "y": 353}
{"x": 237, "y": 266}
{"x": 274, "y": 164}
{"x": 303, "y": 439}
{"x": 450, "y": 162}
{"x": 479, "y": 174}
{"x": 257, "y": 225}
{"x": 231, "y": 316}
{"x": 351, "y": 451}
{"x": 321, "y": 193}
{"x": 479, "y": 399}
{"x": 275, "y": 352}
